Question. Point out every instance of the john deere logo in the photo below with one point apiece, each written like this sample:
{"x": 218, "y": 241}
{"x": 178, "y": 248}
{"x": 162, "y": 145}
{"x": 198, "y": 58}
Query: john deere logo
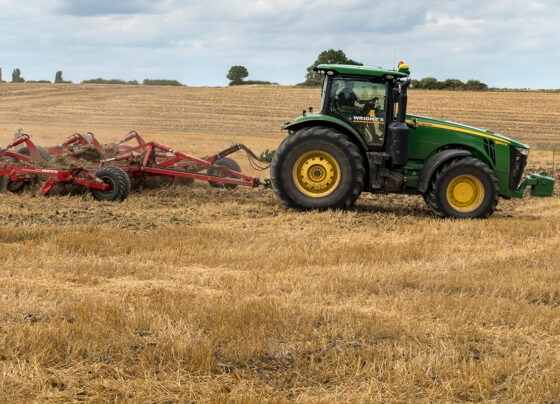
{"x": 372, "y": 113}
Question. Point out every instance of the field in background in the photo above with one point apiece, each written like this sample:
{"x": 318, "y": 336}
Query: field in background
{"x": 209, "y": 295}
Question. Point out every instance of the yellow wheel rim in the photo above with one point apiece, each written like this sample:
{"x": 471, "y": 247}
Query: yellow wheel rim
{"x": 465, "y": 193}
{"x": 316, "y": 173}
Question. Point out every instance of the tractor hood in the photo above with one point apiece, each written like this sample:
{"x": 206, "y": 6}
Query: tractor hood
{"x": 423, "y": 121}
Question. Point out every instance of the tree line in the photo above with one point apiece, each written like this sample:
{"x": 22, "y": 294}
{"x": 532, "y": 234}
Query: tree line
{"x": 332, "y": 56}
{"x": 431, "y": 83}
{"x": 237, "y": 75}
{"x": 16, "y": 78}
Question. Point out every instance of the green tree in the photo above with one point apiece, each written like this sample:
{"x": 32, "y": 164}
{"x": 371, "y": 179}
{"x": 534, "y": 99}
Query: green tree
{"x": 236, "y": 74}
{"x": 16, "y": 76}
{"x": 330, "y": 56}
{"x": 429, "y": 83}
{"x": 475, "y": 85}
{"x": 58, "y": 77}
{"x": 453, "y": 84}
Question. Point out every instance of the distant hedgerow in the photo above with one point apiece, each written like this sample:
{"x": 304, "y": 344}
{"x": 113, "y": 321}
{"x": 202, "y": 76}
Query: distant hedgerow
{"x": 431, "y": 83}
{"x": 111, "y": 81}
{"x": 242, "y": 83}
{"x": 160, "y": 82}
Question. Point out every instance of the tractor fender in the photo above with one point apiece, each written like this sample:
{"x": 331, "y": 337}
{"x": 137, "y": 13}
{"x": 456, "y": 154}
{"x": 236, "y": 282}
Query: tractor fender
{"x": 434, "y": 162}
{"x": 335, "y": 124}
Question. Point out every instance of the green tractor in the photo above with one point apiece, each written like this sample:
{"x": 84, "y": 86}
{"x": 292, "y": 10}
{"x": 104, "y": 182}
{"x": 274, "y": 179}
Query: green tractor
{"x": 363, "y": 140}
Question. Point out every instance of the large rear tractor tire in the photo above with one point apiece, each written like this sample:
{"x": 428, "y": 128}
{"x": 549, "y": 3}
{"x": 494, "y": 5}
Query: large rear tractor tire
{"x": 317, "y": 168}
{"x": 43, "y": 153}
{"x": 463, "y": 188}
{"x": 118, "y": 181}
{"x": 3, "y": 183}
{"x": 215, "y": 171}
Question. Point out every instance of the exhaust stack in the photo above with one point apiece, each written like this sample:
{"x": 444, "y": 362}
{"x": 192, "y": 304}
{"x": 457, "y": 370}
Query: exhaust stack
{"x": 398, "y": 133}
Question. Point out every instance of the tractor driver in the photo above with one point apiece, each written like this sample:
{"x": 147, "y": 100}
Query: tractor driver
{"x": 347, "y": 98}
{"x": 351, "y": 106}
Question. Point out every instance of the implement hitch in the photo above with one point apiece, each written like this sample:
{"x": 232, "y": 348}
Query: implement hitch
{"x": 158, "y": 160}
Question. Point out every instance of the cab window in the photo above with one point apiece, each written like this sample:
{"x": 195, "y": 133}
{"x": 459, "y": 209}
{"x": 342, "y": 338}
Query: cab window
{"x": 363, "y": 104}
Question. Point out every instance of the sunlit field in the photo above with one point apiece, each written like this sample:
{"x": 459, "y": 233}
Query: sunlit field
{"x": 198, "y": 294}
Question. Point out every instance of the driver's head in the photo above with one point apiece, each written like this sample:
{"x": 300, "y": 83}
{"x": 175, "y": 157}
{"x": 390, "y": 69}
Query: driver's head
{"x": 349, "y": 84}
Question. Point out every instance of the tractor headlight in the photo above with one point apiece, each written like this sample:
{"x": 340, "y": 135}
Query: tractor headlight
{"x": 523, "y": 151}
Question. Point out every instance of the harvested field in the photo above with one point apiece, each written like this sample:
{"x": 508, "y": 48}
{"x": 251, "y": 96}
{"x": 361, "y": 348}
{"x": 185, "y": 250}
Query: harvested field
{"x": 192, "y": 293}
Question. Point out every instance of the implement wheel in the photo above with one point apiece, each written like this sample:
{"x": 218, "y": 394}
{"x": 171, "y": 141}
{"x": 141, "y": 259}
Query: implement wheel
{"x": 463, "y": 188}
{"x": 317, "y": 168}
{"x": 43, "y": 153}
{"x": 118, "y": 181}
{"x": 215, "y": 172}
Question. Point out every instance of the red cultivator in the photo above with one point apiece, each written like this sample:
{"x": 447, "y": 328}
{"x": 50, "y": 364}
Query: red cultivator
{"x": 112, "y": 182}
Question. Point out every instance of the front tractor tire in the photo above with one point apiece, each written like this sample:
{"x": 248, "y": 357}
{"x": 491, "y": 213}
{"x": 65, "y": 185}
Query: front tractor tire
{"x": 317, "y": 168}
{"x": 463, "y": 188}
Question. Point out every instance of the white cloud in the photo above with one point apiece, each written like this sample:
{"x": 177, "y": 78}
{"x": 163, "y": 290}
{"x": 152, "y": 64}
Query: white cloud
{"x": 444, "y": 21}
{"x": 197, "y": 41}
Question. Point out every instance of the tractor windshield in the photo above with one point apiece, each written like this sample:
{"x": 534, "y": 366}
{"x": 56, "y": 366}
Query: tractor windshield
{"x": 362, "y": 103}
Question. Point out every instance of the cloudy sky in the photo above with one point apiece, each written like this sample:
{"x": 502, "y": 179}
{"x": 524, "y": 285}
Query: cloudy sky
{"x": 504, "y": 43}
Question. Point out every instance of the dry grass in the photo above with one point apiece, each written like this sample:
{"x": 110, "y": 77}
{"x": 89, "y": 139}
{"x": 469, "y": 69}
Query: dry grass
{"x": 208, "y": 295}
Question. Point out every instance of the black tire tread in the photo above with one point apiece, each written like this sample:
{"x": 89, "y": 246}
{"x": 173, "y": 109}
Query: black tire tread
{"x": 311, "y": 133}
{"x": 432, "y": 200}
{"x": 120, "y": 180}
{"x": 228, "y": 163}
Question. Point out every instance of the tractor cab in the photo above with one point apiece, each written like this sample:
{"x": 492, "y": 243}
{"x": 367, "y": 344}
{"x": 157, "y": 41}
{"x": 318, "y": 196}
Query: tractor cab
{"x": 365, "y": 98}
{"x": 360, "y": 102}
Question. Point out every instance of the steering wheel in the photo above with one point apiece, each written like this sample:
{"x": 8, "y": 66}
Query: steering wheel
{"x": 369, "y": 105}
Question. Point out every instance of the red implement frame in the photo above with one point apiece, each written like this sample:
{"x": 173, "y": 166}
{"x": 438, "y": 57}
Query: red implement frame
{"x": 129, "y": 136}
{"x": 20, "y": 138}
{"x": 160, "y": 160}
{"x": 76, "y": 139}
{"x": 19, "y": 173}
{"x": 66, "y": 147}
